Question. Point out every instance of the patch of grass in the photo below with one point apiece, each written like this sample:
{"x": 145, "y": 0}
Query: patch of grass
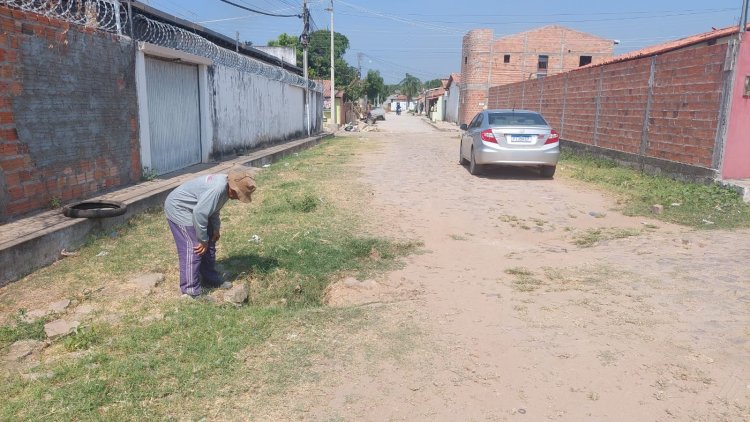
{"x": 308, "y": 219}
{"x": 700, "y": 206}
{"x": 84, "y": 338}
{"x": 457, "y": 237}
{"x": 306, "y": 203}
{"x": 519, "y": 271}
{"x": 21, "y": 330}
{"x": 591, "y": 237}
{"x": 524, "y": 279}
{"x": 587, "y": 278}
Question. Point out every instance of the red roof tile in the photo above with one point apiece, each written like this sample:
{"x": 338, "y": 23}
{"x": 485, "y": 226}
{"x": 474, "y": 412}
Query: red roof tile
{"x": 327, "y": 88}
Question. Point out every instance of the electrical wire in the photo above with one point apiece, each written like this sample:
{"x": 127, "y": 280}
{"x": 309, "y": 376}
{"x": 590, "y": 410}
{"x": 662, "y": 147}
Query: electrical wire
{"x": 259, "y": 11}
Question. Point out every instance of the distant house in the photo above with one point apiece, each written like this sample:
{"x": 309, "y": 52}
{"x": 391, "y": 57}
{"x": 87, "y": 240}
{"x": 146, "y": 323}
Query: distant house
{"x": 434, "y": 100}
{"x": 452, "y": 97}
{"x": 391, "y": 101}
{"x": 327, "y": 102}
{"x": 537, "y": 53}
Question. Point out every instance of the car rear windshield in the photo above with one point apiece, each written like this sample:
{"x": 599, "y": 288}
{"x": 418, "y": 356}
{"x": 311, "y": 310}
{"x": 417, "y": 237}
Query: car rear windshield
{"x": 516, "y": 119}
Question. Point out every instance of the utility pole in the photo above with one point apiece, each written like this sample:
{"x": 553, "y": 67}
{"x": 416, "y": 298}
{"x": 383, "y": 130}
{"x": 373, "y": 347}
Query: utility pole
{"x": 359, "y": 65}
{"x": 333, "y": 75}
{"x": 743, "y": 16}
{"x": 305, "y": 40}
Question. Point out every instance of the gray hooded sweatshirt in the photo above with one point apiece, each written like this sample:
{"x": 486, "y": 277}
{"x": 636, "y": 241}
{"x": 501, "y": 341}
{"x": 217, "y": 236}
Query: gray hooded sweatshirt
{"x": 197, "y": 203}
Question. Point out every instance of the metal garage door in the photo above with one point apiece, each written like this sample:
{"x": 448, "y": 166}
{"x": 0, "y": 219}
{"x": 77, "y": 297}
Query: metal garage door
{"x": 173, "y": 114}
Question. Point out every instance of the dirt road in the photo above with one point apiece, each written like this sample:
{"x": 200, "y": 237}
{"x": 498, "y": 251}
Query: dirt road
{"x": 504, "y": 317}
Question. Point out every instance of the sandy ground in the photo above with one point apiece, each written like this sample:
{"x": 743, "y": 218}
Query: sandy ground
{"x": 510, "y": 320}
{"x": 502, "y": 317}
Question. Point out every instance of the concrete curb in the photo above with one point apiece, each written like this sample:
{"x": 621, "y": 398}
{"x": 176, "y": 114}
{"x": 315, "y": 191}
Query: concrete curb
{"x": 41, "y": 238}
{"x": 441, "y": 129}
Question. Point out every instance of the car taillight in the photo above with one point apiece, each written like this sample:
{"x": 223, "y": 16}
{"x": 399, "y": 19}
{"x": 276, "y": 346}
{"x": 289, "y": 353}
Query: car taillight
{"x": 553, "y": 137}
{"x": 488, "y": 136}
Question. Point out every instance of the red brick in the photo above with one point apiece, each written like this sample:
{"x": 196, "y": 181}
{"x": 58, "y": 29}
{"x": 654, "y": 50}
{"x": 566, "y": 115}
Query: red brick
{"x": 6, "y": 117}
{"x": 10, "y": 165}
{"x": 8, "y": 135}
{"x": 33, "y": 189}
{"x": 12, "y": 179}
{"x": 15, "y": 192}
{"x": 8, "y": 149}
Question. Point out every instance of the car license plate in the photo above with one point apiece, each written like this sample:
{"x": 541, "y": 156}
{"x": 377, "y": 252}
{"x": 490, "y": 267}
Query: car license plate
{"x": 521, "y": 139}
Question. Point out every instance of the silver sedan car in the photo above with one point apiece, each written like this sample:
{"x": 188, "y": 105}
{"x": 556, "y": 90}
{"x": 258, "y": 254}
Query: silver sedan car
{"x": 509, "y": 137}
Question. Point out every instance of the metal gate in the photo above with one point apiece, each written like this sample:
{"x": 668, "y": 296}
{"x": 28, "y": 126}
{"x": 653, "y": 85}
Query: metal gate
{"x": 173, "y": 114}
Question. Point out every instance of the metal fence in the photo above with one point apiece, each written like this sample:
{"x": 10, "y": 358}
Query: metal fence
{"x": 111, "y": 16}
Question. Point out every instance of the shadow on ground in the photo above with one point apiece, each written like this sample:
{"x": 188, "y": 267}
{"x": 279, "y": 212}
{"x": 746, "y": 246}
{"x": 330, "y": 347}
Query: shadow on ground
{"x": 510, "y": 173}
{"x": 248, "y": 264}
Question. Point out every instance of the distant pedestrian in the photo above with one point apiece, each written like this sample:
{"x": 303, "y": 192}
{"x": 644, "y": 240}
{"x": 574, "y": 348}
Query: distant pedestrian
{"x": 421, "y": 108}
{"x": 192, "y": 211}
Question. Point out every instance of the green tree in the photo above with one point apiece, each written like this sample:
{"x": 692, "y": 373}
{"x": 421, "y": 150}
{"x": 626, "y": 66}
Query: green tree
{"x": 410, "y": 86}
{"x": 355, "y": 90}
{"x": 319, "y": 57}
{"x": 374, "y": 85}
{"x": 434, "y": 83}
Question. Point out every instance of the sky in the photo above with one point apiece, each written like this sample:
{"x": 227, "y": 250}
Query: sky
{"x": 423, "y": 38}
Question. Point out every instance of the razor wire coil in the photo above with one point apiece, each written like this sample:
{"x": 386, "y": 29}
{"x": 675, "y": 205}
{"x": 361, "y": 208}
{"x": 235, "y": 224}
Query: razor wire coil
{"x": 110, "y": 16}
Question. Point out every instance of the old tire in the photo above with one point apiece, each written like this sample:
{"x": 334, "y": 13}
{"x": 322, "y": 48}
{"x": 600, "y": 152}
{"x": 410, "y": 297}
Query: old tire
{"x": 548, "y": 171}
{"x": 474, "y": 168}
{"x": 95, "y": 209}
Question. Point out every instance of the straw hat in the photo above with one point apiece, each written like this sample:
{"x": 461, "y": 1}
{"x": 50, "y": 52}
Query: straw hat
{"x": 241, "y": 180}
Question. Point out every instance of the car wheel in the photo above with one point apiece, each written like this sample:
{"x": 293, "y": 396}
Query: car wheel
{"x": 548, "y": 171}
{"x": 461, "y": 159}
{"x": 474, "y": 168}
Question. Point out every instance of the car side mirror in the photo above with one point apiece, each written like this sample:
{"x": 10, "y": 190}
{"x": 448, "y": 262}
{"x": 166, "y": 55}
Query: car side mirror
{"x": 463, "y": 126}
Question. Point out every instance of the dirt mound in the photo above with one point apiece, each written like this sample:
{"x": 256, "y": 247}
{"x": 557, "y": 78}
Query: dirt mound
{"x": 350, "y": 292}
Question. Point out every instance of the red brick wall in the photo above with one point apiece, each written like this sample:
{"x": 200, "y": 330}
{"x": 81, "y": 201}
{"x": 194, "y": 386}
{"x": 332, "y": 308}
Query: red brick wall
{"x": 684, "y": 113}
{"x": 624, "y": 94}
{"x": 68, "y": 108}
{"x": 563, "y": 46}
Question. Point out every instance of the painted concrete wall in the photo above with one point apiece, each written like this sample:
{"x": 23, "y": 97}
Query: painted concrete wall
{"x": 439, "y": 113}
{"x": 287, "y": 54}
{"x": 453, "y": 98}
{"x": 250, "y": 110}
{"x": 736, "y": 163}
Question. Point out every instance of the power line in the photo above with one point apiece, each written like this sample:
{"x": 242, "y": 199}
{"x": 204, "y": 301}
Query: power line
{"x": 538, "y": 22}
{"x": 260, "y": 12}
{"x": 402, "y": 20}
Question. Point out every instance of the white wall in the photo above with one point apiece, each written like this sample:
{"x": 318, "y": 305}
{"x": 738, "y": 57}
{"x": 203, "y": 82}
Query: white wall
{"x": 452, "y": 101}
{"x": 286, "y": 54}
{"x": 249, "y": 110}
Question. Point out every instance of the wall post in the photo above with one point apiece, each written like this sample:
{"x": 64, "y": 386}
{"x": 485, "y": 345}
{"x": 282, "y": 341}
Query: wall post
{"x": 647, "y": 112}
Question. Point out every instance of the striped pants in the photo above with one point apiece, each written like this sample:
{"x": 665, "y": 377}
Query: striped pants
{"x": 192, "y": 265}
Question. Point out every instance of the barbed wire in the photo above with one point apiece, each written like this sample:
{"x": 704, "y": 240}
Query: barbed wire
{"x": 160, "y": 33}
{"x": 102, "y": 14}
{"x": 109, "y": 15}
